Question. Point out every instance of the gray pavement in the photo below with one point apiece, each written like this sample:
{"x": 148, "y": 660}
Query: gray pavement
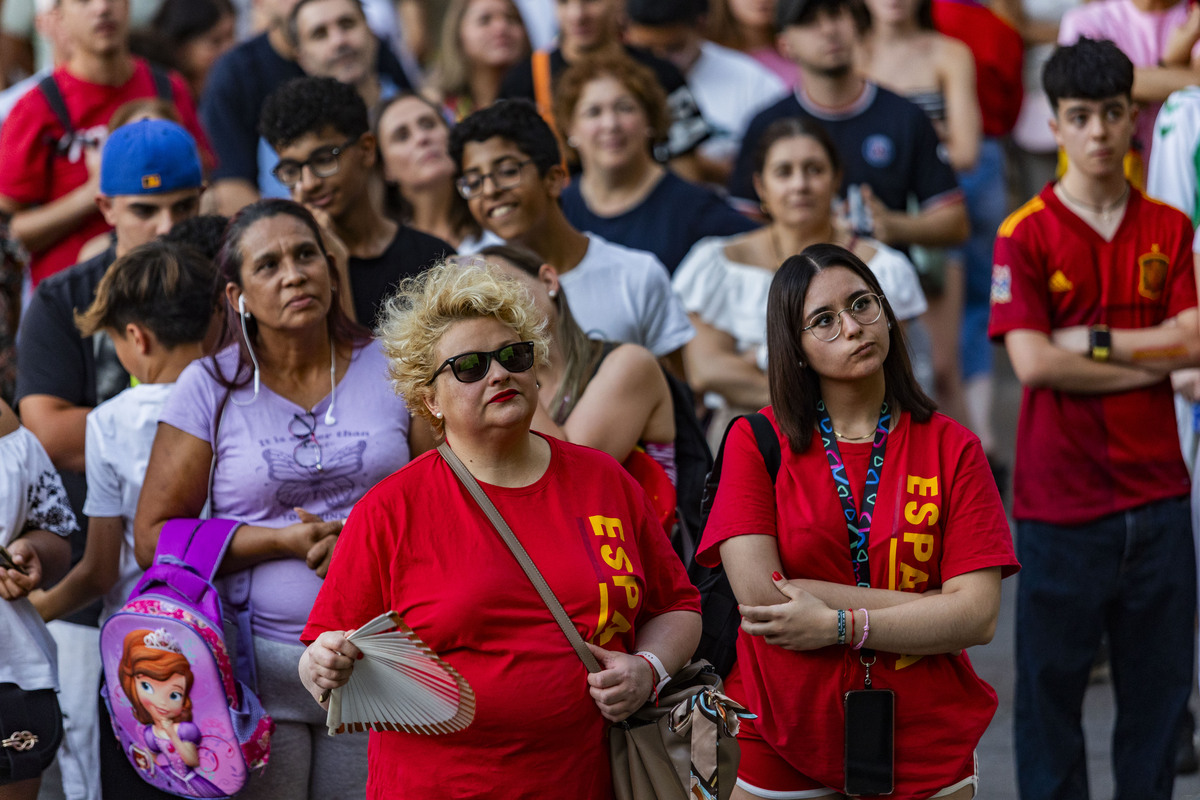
{"x": 995, "y": 664}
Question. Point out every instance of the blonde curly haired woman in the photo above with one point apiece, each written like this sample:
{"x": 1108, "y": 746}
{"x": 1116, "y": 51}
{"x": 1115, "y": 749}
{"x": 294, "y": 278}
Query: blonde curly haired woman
{"x": 462, "y": 343}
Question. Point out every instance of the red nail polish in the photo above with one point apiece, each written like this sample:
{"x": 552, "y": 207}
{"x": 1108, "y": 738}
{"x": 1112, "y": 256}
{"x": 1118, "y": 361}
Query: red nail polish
{"x": 776, "y": 576}
{"x": 361, "y": 656}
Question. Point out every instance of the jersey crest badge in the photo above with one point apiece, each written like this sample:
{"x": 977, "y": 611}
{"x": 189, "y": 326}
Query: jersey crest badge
{"x": 878, "y": 150}
{"x": 1001, "y": 284}
{"x": 1060, "y": 282}
{"x": 1152, "y": 273}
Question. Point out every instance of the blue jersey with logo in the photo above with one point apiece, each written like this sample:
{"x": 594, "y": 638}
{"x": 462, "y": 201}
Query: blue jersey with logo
{"x": 884, "y": 141}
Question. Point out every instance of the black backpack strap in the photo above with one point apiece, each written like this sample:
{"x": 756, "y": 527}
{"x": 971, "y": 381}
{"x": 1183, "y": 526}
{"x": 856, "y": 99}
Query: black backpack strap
{"x": 49, "y": 89}
{"x": 768, "y": 442}
{"x": 768, "y": 445}
{"x": 162, "y": 84}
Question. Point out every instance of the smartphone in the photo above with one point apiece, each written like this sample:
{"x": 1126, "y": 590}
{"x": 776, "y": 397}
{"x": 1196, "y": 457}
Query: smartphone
{"x": 870, "y": 730}
{"x": 6, "y": 561}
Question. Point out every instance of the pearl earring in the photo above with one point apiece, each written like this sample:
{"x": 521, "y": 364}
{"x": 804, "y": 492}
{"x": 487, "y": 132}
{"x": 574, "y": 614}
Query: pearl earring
{"x": 572, "y": 143}
{"x": 438, "y": 414}
{"x": 553, "y": 293}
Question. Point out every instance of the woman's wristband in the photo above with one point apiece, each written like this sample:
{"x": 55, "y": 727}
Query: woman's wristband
{"x": 866, "y": 629}
{"x": 661, "y": 676}
{"x": 841, "y": 639}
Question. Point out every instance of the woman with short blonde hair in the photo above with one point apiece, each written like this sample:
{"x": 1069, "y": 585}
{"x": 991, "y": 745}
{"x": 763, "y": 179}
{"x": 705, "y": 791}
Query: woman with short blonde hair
{"x": 463, "y": 341}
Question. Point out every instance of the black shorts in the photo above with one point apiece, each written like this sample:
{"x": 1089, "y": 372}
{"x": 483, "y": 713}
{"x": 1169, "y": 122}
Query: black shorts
{"x": 30, "y": 731}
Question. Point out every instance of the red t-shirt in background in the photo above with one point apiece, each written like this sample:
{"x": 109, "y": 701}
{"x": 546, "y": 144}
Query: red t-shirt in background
{"x": 937, "y": 515}
{"x": 418, "y": 544}
{"x": 1083, "y": 456}
{"x": 32, "y": 130}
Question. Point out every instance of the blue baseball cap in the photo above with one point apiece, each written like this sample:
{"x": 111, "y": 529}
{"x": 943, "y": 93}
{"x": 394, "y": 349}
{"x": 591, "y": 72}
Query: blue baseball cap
{"x": 150, "y": 156}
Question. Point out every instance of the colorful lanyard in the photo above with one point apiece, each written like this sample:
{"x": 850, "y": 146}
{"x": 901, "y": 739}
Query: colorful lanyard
{"x": 858, "y": 523}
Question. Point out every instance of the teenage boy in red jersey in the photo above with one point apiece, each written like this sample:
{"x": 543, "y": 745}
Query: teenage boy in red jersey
{"x": 50, "y": 177}
{"x": 1094, "y": 297}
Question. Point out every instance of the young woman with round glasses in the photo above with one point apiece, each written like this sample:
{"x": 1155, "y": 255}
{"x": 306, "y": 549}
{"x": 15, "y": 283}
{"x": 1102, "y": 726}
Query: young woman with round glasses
{"x": 463, "y": 341}
{"x": 871, "y": 562}
{"x": 723, "y": 282}
{"x": 294, "y": 414}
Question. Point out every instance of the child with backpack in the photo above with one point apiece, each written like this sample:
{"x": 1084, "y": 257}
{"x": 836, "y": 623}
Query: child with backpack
{"x": 157, "y": 304}
{"x": 35, "y": 520}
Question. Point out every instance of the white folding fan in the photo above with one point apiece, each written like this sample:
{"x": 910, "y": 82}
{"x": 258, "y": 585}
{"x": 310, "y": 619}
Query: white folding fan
{"x": 400, "y": 684}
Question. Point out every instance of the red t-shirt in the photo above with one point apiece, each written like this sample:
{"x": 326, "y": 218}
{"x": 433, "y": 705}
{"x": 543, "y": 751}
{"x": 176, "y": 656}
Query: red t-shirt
{"x": 30, "y": 174}
{"x": 937, "y": 515}
{"x": 418, "y": 544}
{"x": 1083, "y": 456}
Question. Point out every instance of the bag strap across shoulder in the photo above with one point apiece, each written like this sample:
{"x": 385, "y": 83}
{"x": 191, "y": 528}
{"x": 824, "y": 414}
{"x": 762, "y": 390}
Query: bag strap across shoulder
{"x": 518, "y": 551}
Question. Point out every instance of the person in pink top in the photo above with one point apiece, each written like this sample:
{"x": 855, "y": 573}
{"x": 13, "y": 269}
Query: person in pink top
{"x": 1161, "y": 38}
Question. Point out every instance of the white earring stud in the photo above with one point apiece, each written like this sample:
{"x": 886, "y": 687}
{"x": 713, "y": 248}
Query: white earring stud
{"x": 553, "y": 292}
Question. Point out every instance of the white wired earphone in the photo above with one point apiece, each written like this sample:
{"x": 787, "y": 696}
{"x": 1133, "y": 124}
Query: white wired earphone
{"x": 243, "y": 315}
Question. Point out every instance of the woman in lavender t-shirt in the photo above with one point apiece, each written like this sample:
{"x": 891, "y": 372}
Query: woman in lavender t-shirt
{"x": 303, "y": 421}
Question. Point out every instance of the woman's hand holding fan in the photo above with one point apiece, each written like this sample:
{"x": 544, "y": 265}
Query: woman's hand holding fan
{"x": 398, "y": 684}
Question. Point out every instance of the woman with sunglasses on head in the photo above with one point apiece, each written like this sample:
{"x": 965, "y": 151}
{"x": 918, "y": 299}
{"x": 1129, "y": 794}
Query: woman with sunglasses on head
{"x": 294, "y": 416}
{"x": 723, "y": 282}
{"x": 463, "y": 341}
{"x": 886, "y": 603}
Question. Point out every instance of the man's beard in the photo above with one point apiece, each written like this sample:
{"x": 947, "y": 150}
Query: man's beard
{"x": 836, "y": 71}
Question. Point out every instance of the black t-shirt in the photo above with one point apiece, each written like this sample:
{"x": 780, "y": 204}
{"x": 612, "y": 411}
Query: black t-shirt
{"x": 53, "y": 359}
{"x": 688, "y": 128}
{"x": 673, "y": 217}
{"x": 235, "y": 91}
{"x": 884, "y": 141}
{"x": 372, "y": 280}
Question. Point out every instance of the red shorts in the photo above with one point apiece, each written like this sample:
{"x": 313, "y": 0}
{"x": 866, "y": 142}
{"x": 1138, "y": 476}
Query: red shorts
{"x": 765, "y": 773}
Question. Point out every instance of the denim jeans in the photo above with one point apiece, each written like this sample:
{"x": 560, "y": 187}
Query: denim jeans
{"x": 1132, "y": 575}
{"x": 987, "y": 206}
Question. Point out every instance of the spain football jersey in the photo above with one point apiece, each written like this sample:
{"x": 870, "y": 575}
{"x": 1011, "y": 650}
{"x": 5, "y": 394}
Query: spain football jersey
{"x": 1083, "y": 456}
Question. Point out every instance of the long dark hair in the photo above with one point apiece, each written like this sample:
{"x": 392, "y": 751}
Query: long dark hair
{"x": 343, "y": 330}
{"x": 396, "y": 205}
{"x": 582, "y": 354}
{"x": 796, "y": 390}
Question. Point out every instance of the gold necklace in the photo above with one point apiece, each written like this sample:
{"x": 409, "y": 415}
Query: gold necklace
{"x": 840, "y": 435}
{"x": 1100, "y": 210}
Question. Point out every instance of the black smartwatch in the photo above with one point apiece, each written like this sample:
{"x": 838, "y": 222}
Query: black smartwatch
{"x": 1099, "y": 343}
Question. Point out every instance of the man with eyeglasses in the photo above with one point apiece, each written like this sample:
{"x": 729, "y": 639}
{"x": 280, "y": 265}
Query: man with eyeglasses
{"x": 511, "y": 177}
{"x": 327, "y": 157}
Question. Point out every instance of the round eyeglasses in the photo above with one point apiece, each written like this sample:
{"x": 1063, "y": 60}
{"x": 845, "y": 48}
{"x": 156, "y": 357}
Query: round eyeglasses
{"x": 307, "y": 453}
{"x": 827, "y": 325}
{"x": 323, "y": 162}
{"x": 474, "y": 366}
{"x": 505, "y": 175}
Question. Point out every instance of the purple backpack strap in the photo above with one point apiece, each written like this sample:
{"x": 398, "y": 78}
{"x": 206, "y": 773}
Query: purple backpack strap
{"x": 198, "y": 543}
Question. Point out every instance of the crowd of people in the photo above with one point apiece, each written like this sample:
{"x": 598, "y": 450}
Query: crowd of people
{"x": 288, "y": 262}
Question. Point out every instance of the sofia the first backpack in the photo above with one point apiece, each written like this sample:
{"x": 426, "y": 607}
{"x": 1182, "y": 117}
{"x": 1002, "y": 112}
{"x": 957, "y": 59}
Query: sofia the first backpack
{"x": 187, "y": 725}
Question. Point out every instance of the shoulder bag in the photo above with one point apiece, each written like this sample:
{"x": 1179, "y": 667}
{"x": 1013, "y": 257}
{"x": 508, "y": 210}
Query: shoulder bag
{"x": 683, "y": 747}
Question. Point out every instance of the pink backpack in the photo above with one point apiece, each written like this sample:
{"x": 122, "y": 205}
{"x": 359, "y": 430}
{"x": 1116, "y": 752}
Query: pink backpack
{"x": 185, "y": 723}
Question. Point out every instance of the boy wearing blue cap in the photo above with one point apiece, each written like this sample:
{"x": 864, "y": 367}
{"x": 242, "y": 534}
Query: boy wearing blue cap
{"x": 150, "y": 179}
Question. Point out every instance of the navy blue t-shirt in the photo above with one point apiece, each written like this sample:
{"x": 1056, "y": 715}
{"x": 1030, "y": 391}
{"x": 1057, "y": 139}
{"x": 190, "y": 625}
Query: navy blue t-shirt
{"x": 234, "y": 93}
{"x": 884, "y": 140}
{"x": 673, "y": 217}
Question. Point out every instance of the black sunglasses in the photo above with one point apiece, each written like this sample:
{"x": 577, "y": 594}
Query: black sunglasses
{"x": 471, "y": 367}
